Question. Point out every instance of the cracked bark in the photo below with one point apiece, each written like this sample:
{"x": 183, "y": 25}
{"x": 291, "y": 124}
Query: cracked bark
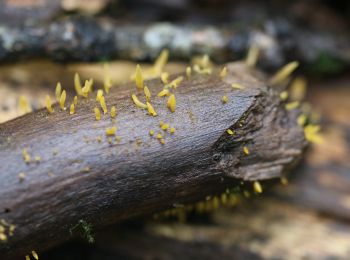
{"x": 125, "y": 179}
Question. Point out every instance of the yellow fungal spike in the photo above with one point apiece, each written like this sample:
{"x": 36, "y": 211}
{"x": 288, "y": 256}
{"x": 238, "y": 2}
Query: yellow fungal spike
{"x": 159, "y": 136}
{"x": 253, "y": 55}
{"x": 97, "y": 113}
{"x": 292, "y": 105}
{"x": 107, "y": 81}
{"x": 77, "y": 84}
{"x": 137, "y": 102}
{"x": 237, "y": 86}
{"x": 161, "y": 123}
{"x": 164, "y": 92}
{"x": 27, "y": 257}
{"x": 21, "y": 176}
{"x": 113, "y": 112}
{"x": 3, "y": 236}
{"x": 150, "y": 109}
{"x": 75, "y": 100}
{"x": 257, "y": 187}
{"x": 72, "y": 109}
{"x": 176, "y": 81}
{"x": 172, "y": 130}
{"x": 23, "y": 104}
{"x": 138, "y": 77}
{"x": 147, "y": 93}
{"x": 312, "y": 134}
{"x": 164, "y": 127}
{"x": 99, "y": 94}
{"x": 164, "y": 77}
{"x": 162, "y": 141}
{"x": 161, "y": 60}
{"x": 188, "y": 72}
{"x": 87, "y": 88}
{"x": 26, "y": 156}
{"x": 171, "y": 104}
{"x": 151, "y": 132}
{"x": 284, "y": 73}
{"x": 224, "y": 99}
{"x": 284, "y": 181}
{"x": 111, "y": 130}
{"x": 58, "y": 91}
{"x": 246, "y": 150}
{"x": 223, "y": 73}
{"x": 63, "y": 100}
{"x": 205, "y": 62}
{"x": 229, "y": 131}
{"x": 301, "y": 120}
{"x": 298, "y": 89}
{"x": 103, "y": 105}
{"x": 49, "y": 104}
{"x": 35, "y": 255}
{"x": 284, "y": 95}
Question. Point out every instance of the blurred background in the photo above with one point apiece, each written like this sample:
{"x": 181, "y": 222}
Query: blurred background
{"x": 306, "y": 216}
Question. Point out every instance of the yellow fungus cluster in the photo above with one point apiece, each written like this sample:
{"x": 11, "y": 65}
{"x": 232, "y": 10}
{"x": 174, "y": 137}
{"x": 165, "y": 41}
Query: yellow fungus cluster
{"x": 312, "y": 134}
{"x": 6, "y": 230}
{"x": 26, "y": 156}
{"x": 111, "y": 130}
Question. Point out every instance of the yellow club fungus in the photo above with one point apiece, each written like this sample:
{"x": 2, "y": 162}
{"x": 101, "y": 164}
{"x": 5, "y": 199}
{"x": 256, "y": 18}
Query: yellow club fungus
{"x": 159, "y": 136}
{"x": 298, "y": 89}
{"x": 113, "y": 112}
{"x": 23, "y": 105}
{"x": 237, "y": 86}
{"x": 224, "y": 99}
{"x": 161, "y": 123}
{"x": 111, "y": 130}
{"x": 164, "y": 127}
{"x": 72, "y": 109}
{"x": 252, "y": 56}
{"x": 161, "y": 61}
{"x": 284, "y": 73}
{"x": 87, "y": 88}
{"x": 176, "y": 82}
{"x": 257, "y": 187}
{"x": 284, "y": 95}
{"x": 97, "y": 113}
{"x": 172, "y": 130}
{"x": 223, "y": 73}
{"x": 63, "y": 100}
{"x": 58, "y": 91}
{"x": 35, "y": 255}
{"x": 162, "y": 141}
{"x": 164, "y": 92}
{"x": 99, "y": 94}
{"x": 150, "y": 109}
{"x": 137, "y": 102}
{"x": 164, "y": 77}
{"x": 77, "y": 84}
{"x": 292, "y": 105}
{"x": 21, "y": 176}
{"x": 138, "y": 77}
{"x": 301, "y": 120}
{"x": 107, "y": 81}
{"x": 188, "y": 72}
{"x": 229, "y": 131}
{"x": 49, "y": 104}
{"x": 147, "y": 93}
{"x": 151, "y": 132}
{"x": 171, "y": 104}
{"x": 103, "y": 105}
{"x": 284, "y": 181}
{"x": 312, "y": 134}
{"x": 75, "y": 100}
{"x": 246, "y": 150}
{"x": 26, "y": 156}
{"x": 37, "y": 158}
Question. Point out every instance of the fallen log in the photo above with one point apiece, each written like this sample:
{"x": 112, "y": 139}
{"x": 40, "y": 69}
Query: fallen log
{"x": 58, "y": 169}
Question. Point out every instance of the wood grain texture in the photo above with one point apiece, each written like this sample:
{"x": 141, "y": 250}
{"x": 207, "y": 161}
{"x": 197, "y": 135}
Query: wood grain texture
{"x": 104, "y": 182}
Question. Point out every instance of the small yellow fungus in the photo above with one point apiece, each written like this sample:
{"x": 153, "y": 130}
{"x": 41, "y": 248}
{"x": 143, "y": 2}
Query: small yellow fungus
{"x": 292, "y": 105}
{"x": 171, "y": 104}
{"x": 312, "y": 134}
{"x": 107, "y": 81}
{"x": 113, "y": 112}
{"x": 151, "y": 132}
{"x": 284, "y": 95}
{"x": 164, "y": 127}
{"x": 87, "y": 88}
{"x": 164, "y": 77}
{"x": 298, "y": 89}
{"x": 103, "y": 105}
{"x": 301, "y": 120}
{"x": 224, "y": 99}
{"x": 176, "y": 82}
{"x": 223, "y": 73}
{"x": 246, "y": 150}
{"x": 229, "y": 131}
{"x": 27, "y": 257}
{"x": 252, "y": 56}
{"x": 138, "y": 77}
{"x": 75, "y": 100}
{"x": 99, "y": 94}
{"x": 284, "y": 181}
{"x": 257, "y": 187}
{"x": 24, "y": 105}
{"x": 97, "y": 113}
{"x": 164, "y": 92}
{"x": 188, "y": 72}
{"x": 161, "y": 61}
{"x": 99, "y": 139}
{"x": 172, "y": 130}
{"x": 21, "y": 176}
{"x": 58, "y": 91}
{"x": 35, "y": 255}
{"x": 37, "y": 158}
{"x": 237, "y": 86}
{"x": 3, "y": 237}
{"x": 284, "y": 73}
{"x": 147, "y": 93}
{"x": 77, "y": 84}
{"x": 72, "y": 109}
{"x": 150, "y": 109}
{"x": 49, "y": 104}
{"x": 26, "y": 155}
{"x": 159, "y": 136}
{"x": 111, "y": 130}
{"x": 63, "y": 100}
{"x": 162, "y": 141}
{"x": 137, "y": 102}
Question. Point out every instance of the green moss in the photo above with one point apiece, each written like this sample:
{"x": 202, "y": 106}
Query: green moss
{"x": 326, "y": 64}
{"x": 85, "y": 229}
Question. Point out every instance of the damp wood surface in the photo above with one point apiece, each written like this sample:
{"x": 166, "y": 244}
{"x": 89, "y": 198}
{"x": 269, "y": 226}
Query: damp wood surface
{"x": 79, "y": 177}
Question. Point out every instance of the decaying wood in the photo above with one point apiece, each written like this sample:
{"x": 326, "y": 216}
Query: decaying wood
{"x": 79, "y": 177}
